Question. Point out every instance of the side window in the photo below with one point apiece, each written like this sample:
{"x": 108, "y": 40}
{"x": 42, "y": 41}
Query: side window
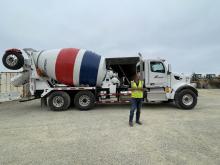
{"x": 157, "y": 67}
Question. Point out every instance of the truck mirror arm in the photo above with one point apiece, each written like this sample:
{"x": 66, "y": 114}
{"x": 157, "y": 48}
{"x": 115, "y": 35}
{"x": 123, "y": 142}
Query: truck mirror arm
{"x": 169, "y": 69}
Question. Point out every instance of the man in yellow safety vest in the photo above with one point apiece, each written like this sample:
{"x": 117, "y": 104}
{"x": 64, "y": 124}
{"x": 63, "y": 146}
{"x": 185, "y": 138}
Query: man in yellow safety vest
{"x": 136, "y": 99}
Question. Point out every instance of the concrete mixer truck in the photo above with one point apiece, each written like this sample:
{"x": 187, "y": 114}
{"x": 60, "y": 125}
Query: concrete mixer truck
{"x": 63, "y": 76}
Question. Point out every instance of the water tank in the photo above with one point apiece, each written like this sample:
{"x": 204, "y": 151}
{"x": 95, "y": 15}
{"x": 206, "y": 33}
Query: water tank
{"x": 71, "y": 66}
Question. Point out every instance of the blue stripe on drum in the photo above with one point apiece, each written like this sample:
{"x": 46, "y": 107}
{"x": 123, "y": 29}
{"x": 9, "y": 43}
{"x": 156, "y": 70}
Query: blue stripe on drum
{"x": 89, "y": 68}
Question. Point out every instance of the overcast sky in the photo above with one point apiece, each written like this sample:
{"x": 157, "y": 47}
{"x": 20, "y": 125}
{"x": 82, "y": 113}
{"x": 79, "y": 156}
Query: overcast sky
{"x": 185, "y": 32}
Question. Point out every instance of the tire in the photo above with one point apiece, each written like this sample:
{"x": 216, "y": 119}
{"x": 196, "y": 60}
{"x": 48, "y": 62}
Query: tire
{"x": 186, "y": 99}
{"x": 59, "y": 101}
{"x": 84, "y": 100}
{"x": 13, "y": 59}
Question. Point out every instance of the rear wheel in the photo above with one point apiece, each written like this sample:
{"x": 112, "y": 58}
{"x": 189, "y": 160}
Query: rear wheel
{"x": 59, "y": 101}
{"x": 13, "y": 59}
{"x": 186, "y": 99}
{"x": 84, "y": 100}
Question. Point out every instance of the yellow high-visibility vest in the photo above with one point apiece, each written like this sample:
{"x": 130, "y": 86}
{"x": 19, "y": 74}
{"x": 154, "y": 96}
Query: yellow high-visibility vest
{"x": 137, "y": 93}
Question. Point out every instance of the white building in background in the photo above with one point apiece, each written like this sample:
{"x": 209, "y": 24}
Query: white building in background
{"x": 9, "y": 92}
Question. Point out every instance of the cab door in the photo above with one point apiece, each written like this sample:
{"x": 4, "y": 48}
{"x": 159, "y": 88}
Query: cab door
{"x": 157, "y": 74}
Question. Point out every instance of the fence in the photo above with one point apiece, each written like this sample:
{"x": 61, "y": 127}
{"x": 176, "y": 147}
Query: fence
{"x": 8, "y": 91}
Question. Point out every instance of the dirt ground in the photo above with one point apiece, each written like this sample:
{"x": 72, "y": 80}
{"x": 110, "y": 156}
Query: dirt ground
{"x": 31, "y": 135}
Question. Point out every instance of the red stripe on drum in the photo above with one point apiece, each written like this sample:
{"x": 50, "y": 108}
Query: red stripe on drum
{"x": 65, "y": 65}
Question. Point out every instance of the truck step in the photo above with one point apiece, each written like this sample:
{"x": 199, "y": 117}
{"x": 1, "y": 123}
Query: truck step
{"x": 112, "y": 102}
{"x": 115, "y": 94}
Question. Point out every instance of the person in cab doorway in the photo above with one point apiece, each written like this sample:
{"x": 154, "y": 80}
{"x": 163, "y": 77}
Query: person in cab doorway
{"x": 136, "y": 99}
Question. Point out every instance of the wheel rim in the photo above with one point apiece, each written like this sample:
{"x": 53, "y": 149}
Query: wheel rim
{"x": 84, "y": 100}
{"x": 187, "y": 99}
{"x": 11, "y": 60}
{"x": 58, "y": 101}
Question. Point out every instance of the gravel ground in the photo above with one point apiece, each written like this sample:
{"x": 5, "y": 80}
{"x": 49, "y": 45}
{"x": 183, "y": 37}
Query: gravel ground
{"x": 31, "y": 135}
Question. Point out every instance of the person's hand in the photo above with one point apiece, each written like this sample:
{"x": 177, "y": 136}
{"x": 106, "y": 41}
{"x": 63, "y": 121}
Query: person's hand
{"x": 140, "y": 89}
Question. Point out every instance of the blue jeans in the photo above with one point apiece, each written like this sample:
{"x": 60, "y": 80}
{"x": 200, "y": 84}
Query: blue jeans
{"x": 136, "y": 104}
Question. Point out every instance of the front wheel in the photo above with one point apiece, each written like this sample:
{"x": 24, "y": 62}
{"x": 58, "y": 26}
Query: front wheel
{"x": 84, "y": 100}
{"x": 186, "y": 99}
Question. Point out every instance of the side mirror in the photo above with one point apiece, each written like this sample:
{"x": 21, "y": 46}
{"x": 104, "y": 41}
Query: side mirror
{"x": 169, "y": 69}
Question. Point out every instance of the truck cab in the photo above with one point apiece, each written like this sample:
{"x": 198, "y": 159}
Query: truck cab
{"x": 163, "y": 85}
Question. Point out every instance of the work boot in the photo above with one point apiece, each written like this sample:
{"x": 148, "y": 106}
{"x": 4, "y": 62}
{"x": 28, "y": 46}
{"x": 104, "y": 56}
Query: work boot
{"x": 138, "y": 113}
{"x": 138, "y": 122}
{"x": 131, "y": 124}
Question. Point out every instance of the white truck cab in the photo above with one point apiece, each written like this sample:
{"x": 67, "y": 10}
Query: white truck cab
{"x": 163, "y": 85}
{"x": 160, "y": 84}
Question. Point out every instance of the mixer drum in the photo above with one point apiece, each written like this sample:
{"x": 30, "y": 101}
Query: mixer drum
{"x": 71, "y": 66}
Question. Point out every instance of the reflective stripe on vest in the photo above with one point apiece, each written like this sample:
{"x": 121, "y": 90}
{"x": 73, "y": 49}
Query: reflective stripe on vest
{"x": 136, "y": 93}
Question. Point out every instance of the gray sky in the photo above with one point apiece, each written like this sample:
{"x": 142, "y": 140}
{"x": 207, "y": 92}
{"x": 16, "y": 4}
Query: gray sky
{"x": 185, "y": 32}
